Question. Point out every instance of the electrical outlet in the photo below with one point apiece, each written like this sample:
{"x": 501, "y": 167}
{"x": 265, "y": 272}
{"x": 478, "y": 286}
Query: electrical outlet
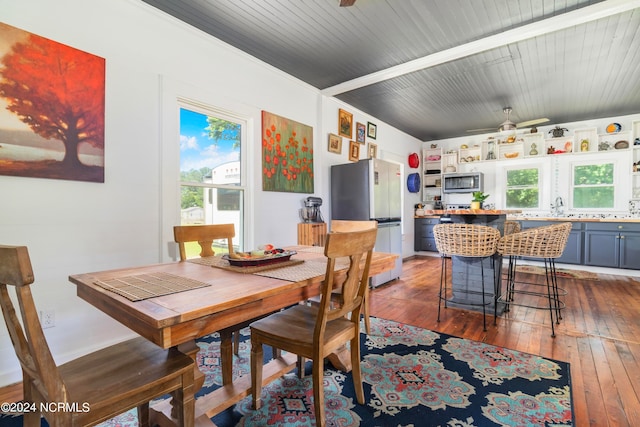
{"x": 47, "y": 318}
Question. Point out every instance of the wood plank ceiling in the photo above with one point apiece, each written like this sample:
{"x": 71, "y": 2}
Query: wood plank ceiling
{"x": 437, "y": 69}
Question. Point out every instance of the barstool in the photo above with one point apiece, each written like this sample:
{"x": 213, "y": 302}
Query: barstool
{"x": 546, "y": 243}
{"x": 466, "y": 240}
{"x": 511, "y": 227}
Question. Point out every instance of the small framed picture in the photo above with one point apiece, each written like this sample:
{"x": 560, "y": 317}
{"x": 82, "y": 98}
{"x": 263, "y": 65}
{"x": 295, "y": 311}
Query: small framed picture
{"x": 335, "y": 144}
{"x": 372, "y": 150}
{"x": 354, "y": 151}
{"x": 345, "y": 123}
{"x": 372, "y": 130}
{"x": 361, "y": 131}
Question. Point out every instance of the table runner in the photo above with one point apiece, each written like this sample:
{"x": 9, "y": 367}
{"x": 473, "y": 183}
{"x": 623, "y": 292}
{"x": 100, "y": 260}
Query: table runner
{"x": 292, "y": 270}
{"x": 218, "y": 262}
{"x": 142, "y": 286}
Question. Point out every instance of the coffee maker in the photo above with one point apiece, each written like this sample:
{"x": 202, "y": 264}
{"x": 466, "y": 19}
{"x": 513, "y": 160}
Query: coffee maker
{"x": 311, "y": 210}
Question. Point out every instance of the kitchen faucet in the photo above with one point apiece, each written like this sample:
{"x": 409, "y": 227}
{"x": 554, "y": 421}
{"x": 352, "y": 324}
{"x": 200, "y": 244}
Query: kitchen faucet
{"x": 557, "y": 207}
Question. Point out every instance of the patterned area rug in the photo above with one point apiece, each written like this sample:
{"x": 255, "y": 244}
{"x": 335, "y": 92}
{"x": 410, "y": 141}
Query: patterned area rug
{"x": 560, "y": 272}
{"x": 412, "y": 377}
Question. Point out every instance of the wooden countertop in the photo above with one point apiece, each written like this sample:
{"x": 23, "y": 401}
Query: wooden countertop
{"x": 573, "y": 219}
{"x": 430, "y": 213}
{"x": 511, "y": 215}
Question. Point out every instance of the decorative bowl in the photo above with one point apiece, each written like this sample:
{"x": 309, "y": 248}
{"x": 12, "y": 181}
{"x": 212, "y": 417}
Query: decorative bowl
{"x": 511, "y": 155}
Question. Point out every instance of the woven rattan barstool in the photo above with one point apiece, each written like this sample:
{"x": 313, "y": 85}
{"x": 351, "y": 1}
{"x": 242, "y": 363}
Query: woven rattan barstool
{"x": 546, "y": 243}
{"x": 511, "y": 227}
{"x": 466, "y": 240}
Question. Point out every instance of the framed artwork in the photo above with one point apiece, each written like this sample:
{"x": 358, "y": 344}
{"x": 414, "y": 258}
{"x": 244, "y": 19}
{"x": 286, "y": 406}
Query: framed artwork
{"x": 373, "y": 150}
{"x": 361, "y": 131}
{"x": 287, "y": 155}
{"x": 345, "y": 123}
{"x": 354, "y": 151}
{"x": 55, "y": 128}
{"x": 372, "y": 130}
{"x": 335, "y": 144}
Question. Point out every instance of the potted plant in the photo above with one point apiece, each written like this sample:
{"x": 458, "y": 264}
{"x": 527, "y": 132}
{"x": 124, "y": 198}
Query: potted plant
{"x": 478, "y": 198}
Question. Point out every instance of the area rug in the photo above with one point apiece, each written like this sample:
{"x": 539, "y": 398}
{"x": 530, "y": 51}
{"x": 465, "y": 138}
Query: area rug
{"x": 560, "y": 272}
{"x": 412, "y": 377}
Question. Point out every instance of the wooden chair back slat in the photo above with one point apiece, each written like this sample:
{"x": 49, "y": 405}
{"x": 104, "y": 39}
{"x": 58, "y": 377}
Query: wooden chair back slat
{"x": 205, "y": 235}
{"x": 29, "y": 343}
{"x": 356, "y": 246}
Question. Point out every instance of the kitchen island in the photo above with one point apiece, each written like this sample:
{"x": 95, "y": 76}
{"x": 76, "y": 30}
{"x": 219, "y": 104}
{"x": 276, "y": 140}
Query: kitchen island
{"x": 466, "y": 273}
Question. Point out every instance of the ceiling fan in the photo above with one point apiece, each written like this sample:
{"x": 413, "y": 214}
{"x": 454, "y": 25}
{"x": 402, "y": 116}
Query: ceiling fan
{"x": 509, "y": 125}
{"x": 346, "y": 3}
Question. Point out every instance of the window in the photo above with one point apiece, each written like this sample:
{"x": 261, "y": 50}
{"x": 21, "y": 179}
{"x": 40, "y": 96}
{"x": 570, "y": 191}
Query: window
{"x": 211, "y": 179}
{"x": 522, "y": 188}
{"x": 593, "y": 186}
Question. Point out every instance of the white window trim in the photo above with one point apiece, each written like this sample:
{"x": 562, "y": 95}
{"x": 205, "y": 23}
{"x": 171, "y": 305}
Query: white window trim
{"x": 619, "y": 184}
{"x": 544, "y": 181}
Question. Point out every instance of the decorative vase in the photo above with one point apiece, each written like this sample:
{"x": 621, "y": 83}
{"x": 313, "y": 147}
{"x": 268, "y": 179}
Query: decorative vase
{"x": 476, "y": 205}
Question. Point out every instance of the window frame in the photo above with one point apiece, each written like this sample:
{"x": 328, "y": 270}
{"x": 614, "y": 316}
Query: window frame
{"x": 543, "y": 192}
{"x": 243, "y": 187}
{"x": 616, "y": 184}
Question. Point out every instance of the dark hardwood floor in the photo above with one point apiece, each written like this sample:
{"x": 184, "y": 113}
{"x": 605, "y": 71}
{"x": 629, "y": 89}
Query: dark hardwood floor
{"x": 599, "y": 335}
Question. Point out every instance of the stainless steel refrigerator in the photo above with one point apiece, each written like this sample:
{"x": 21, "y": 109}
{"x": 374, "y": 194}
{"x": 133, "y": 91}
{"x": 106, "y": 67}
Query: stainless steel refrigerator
{"x": 371, "y": 189}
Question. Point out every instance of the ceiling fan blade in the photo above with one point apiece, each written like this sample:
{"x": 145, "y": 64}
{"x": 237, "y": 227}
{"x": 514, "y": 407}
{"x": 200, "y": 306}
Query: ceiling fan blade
{"x": 481, "y": 130}
{"x": 346, "y": 3}
{"x": 532, "y": 122}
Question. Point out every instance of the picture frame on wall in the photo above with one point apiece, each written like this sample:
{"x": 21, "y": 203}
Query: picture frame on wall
{"x": 372, "y": 130}
{"x": 361, "y": 131}
{"x": 372, "y": 150}
{"x": 354, "y": 151}
{"x": 345, "y": 123}
{"x": 335, "y": 144}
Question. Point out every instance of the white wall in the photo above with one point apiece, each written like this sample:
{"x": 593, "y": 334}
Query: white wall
{"x": 151, "y": 59}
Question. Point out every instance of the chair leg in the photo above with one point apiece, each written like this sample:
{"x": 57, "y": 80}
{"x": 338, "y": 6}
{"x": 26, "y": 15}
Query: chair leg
{"x": 318, "y": 390}
{"x": 484, "y": 306}
{"x": 143, "y": 415}
{"x": 365, "y": 311}
{"x": 300, "y": 366}
{"x": 30, "y": 419}
{"x": 256, "y": 372}
{"x": 547, "y": 269}
{"x": 236, "y": 342}
{"x": 443, "y": 274}
{"x": 356, "y": 370}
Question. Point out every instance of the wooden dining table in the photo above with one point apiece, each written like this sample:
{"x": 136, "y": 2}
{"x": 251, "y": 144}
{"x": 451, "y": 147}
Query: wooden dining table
{"x": 226, "y": 299}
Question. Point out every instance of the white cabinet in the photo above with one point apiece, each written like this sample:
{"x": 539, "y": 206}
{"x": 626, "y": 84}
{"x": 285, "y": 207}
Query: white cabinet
{"x": 635, "y": 159}
{"x": 432, "y": 173}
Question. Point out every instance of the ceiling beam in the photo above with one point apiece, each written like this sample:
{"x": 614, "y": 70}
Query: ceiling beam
{"x": 545, "y": 26}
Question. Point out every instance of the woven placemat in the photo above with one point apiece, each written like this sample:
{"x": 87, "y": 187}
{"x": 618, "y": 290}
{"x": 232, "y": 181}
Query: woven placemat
{"x": 143, "y": 286}
{"x": 297, "y": 273}
{"x": 218, "y": 262}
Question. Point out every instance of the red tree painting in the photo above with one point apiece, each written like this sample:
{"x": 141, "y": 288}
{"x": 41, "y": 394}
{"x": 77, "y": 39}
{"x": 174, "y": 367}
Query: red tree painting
{"x": 58, "y": 92}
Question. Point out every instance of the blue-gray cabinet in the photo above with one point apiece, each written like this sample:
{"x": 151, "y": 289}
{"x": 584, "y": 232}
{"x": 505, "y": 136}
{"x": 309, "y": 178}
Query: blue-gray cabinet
{"x": 612, "y": 244}
{"x": 573, "y": 252}
{"x": 423, "y": 239}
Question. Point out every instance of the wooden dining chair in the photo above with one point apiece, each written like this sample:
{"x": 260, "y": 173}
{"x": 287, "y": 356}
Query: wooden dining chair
{"x": 343, "y": 226}
{"x": 205, "y": 235}
{"x": 95, "y": 387}
{"x": 313, "y": 332}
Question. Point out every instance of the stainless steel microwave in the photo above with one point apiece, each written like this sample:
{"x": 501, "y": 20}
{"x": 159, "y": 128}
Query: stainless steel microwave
{"x": 463, "y": 182}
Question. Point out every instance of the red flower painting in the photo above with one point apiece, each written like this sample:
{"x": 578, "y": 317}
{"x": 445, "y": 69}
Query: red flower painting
{"x": 287, "y": 155}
